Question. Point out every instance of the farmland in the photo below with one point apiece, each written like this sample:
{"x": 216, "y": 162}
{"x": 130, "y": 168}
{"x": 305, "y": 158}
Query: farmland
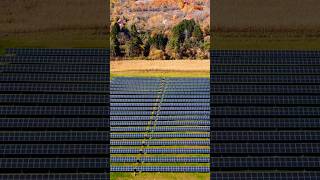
{"x": 53, "y": 23}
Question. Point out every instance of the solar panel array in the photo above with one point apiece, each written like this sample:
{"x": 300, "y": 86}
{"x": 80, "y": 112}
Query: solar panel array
{"x": 158, "y": 121}
{"x": 265, "y": 115}
{"x": 54, "y": 114}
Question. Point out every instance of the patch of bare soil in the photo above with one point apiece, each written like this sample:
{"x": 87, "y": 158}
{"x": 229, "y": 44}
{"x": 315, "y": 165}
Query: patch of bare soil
{"x": 160, "y": 65}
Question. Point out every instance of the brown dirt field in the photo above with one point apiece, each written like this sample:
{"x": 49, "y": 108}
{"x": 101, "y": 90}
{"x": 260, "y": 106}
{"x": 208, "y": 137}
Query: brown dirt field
{"x": 160, "y": 65}
{"x": 22, "y": 16}
{"x": 265, "y": 14}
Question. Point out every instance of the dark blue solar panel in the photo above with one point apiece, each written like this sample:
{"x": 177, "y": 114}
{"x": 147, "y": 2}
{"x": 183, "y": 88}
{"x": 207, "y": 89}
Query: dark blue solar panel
{"x": 266, "y": 148}
{"x": 56, "y": 136}
{"x": 54, "y": 110}
{"x": 164, "y": 113}
{"x": 262, "y": 53}
{"x": 160, "y": 143}
{"x": 265, "y": 89}
{"x": 156, "y": 135}
{"x": 264, "y": 61}
{"x": 54, "y": 114}
{"x": 89, "y": 60}
{"x": 190, "y": 101}
{"x": 37, "y": 149}
{"x": 160, "y": 129}
{"x": 165, "y": 108}
{"x": 207, "y": 96}
{"x": 160, "y": 118}
{"x": 265, "y": 136}
{"x": 159, "y": 123}
{"x": 266, "y": 111}
{"x": 53, "y": 122}
{"x": 270, "y": 79}
{"x": 265, "y": 99}
{"x": 52, "y": 98}
{"x": 161, "y": 159}
{"x": 236, "y": 69}
{"x": 53, "y": 87}
{"x": 266, "y": 175}
{"x": 38, "y": 77}
{"x": 54, "y": 176}
{"x": 163, "y": 104}
{"x": 54, "y": 68}
{"x": 56, "y": 52}
{"x": 266, "y": 162}
{"x": 53, "y": 163}
{"x": 264, "y": 114}
{"x": 297, "y": 123}
{"x": 199, "y": 169}
{"x": 160, "y": 151}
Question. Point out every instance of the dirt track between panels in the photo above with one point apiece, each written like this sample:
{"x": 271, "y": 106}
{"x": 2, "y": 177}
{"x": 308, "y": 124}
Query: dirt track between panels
{"x": 160, "y": 65}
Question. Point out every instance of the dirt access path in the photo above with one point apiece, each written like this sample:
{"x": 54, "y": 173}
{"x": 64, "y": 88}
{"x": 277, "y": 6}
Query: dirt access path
{"x": 160, "y": 65}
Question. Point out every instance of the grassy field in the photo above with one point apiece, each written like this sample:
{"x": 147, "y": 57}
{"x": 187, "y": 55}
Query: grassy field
{"x": 309, "y": 40}
{"x": 160, "y": 176}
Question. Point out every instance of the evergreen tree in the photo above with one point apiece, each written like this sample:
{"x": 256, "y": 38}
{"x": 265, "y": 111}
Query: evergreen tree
{"x": 197, "y": 33}
{"x": 115, "y": 29}
{"x": 115, "y": 47}
{"x": 134, "y": 47}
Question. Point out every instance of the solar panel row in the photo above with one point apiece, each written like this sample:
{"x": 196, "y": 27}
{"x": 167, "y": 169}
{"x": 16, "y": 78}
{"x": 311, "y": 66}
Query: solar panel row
{"x": 145, "y": 110}
{"x": 262, "y": 53}
{"x": 160, "y": 118}
{"x": 58, "y": 149}
{"x": 265, "y": 89}
{"x": 163, "y": 108}
{"x": 265, "y": 136}
{"x": 259, "y": 60}
{"x": 160, "y": 169}
{"x": 64, "y": 176}
{"x": 53, "y": 136}
{"x": 54, "y": 114}
{"x": 57, "y": 78}
{"x": 159, "y": 151}
{"x": 54, "y": 60}
{"x": 45, "y": 87}
{"x": 236, "y": 69}
{"x": 54, "y": 68}
{"x": 161, "y": 159}
{"x": 160, "y": 129}
{"x": 156, "y": 135}
{"x": 53, "y": 163}
{"x": 265, "y": 99}
{"x": 163, "y": 113}
{"x": 265, "y": 123}
{"x": 54, "y": 98}
{"x": 265, "y": 114}
{"x": 155, "y": 92}
{"x": 159, "y": 123}
{"x": 266, "y": 175}
{"x": 163, "y": 104}
{"x": 149, "y": 100}
{"x": 160, "y": 143}
{"x": 57, "y": 52}
{"x": 266, "y": 148}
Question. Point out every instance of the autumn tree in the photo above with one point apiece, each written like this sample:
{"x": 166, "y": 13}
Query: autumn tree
{"x": 114, "y": 42}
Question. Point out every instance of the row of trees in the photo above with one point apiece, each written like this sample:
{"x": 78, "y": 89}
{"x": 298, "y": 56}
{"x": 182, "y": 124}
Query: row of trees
{"x": 185, "y": 41}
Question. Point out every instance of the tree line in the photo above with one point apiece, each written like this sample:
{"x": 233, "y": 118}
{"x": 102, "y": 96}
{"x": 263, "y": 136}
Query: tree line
{"x": 185, "y": 41}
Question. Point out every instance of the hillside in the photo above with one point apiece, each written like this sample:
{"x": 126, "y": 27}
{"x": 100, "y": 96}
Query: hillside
{"x": 161, "y": 14}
